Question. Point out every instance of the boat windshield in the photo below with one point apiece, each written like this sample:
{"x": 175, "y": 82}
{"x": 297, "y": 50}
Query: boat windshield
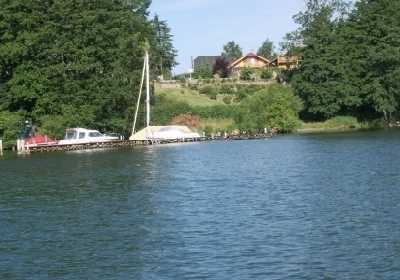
{"x": 95, "y": 134}
{"x": 70, "y": 135}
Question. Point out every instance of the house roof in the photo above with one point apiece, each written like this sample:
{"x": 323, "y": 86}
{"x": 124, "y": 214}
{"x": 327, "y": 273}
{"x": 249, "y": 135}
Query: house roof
{"x": 285, "y": 59}
{"x": 249, "y": 55}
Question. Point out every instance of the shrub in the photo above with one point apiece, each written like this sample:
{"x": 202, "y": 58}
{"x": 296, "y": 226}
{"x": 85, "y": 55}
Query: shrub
{"x": 247, "y": 74}
{"x": 210, "y": 91}
{"x": 165, "y": 110}
{"x": 227, "y": 100}
{"x": 266, "y": 74}
{"x": 227, "y": 89}
{"x": 10, "y": 127}
{"x": 275, "y": 107}
{"x": 203, "y": 73}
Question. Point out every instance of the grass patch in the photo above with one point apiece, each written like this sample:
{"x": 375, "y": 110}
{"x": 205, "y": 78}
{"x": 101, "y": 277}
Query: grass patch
{"x": 213, "y": 125}
{"x": 191, "y": 97}
{"x": 340, "y": 123}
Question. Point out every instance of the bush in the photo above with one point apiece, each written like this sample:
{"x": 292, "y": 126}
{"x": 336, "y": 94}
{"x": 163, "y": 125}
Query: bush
{"x": 227, "y": 90}
{"x": 266, "y": 74}
{"x": 247, "y": 74}
{"x": 275, "y": 107}
{"x": 227, "y": 100}
{"x": 10, "y": 127}
{"x": 165, "y": 110}
{"x": 210, "y": 91}
{"x": 203, "y": 73}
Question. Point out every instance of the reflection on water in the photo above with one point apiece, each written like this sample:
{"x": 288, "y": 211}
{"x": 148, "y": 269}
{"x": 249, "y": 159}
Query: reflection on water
{"x": 295, "y": 207}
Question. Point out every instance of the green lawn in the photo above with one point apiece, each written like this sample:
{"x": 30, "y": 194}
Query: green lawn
{"x": 192, "y": 97}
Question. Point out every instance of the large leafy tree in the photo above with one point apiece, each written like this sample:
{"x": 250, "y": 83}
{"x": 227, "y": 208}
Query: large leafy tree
{"x": 232, "y": 51}
{"x": 267, "y": 49}
{"x": 373, "y": 34}
{"x": 322, "y": 78}
{"x": 68, "y": 63}
{"x": 351, "y": 59}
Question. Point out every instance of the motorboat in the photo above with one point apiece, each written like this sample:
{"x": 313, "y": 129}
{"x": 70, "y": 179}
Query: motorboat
{"x": 83, "y": 136}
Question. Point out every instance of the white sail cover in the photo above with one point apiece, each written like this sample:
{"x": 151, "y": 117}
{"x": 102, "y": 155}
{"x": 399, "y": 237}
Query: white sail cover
{"x": 172, "y": 132}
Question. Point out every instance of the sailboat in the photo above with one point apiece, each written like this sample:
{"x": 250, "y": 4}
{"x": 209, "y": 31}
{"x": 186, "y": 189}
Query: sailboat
{"x": 157, "y": 133}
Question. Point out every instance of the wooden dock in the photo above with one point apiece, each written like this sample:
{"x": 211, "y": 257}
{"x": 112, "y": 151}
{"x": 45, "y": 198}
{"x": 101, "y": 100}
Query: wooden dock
{"x": 128, "y": 143}
{"x": 105, "y": 145}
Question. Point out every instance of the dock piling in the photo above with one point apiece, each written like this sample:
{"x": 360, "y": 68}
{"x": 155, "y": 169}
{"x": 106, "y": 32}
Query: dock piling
{"x": 1, "y": 147}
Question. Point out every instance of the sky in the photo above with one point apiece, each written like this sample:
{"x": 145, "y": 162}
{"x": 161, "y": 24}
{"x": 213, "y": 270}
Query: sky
{"x": 202, "y": 27}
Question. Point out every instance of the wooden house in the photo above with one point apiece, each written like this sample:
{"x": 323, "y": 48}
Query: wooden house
{"x": 286, "y": 62}
{"x": 251, "y": 61}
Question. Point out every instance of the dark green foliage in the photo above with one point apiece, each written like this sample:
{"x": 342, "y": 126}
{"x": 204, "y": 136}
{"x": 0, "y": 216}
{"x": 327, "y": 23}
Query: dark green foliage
{"x": 10, "y": 127}
{"x": 227, "y": 100}
{"x": 68, "y": 63}
{"x": 165, "y": 110}
{"x": 203, "y": 73}
{"x": 163, "y": 50}
{"x": 266, "y": 74}
{"x": 275, "y": 107}
{"x": 217, "y": 111}
{"x": 351, "y": 61}
{"x": 247, "y": 74}
{"x": 210, "y": 91}
{"x": 227, "y": 89}
{"x": 267, "y": 49}
{"x": 232, "y": 51}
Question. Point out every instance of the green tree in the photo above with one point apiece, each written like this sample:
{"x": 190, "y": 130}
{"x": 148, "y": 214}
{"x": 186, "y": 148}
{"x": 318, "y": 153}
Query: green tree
{"x": 321, "y": 79}
{"x": 164, "y": 53}
{"x": 274, "y": 107}
{"x": 267, "y": 49}
{"x": 373, "y": 35}
{"x": 232, "y": 51}
{"x": 351, "y": 60}
{"x": 80, "y": 60}
{"x": 10, "y": 127}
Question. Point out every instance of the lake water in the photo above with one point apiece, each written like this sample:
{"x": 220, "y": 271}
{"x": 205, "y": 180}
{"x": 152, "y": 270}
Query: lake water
{"x": 293, "y": 207}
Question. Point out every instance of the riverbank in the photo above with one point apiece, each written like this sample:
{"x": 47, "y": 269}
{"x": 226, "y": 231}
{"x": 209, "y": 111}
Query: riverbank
{"x": 339, "y": 124}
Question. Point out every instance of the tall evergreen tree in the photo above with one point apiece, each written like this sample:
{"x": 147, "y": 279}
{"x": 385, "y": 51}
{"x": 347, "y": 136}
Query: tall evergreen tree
{"x": 164, "y": 53}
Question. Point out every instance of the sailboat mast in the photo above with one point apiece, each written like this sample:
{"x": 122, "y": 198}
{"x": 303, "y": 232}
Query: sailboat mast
{"x": 139, "y": 97}
{"x": 147, "y": 89}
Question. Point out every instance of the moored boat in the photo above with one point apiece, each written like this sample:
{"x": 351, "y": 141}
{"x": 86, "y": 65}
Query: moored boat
{"x": 84, "y": 136}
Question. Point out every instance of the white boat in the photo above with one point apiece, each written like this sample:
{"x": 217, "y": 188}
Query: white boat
{"x": 83, "y": 136}
{"x": 157, "y": 133}
{"x": 166, "y": 133}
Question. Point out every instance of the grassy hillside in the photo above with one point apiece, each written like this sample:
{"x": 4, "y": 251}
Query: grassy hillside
{"x": 191, "y": 97}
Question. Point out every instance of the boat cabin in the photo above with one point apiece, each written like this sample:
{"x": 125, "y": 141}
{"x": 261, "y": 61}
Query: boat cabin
{"x": 82, "y": 135}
